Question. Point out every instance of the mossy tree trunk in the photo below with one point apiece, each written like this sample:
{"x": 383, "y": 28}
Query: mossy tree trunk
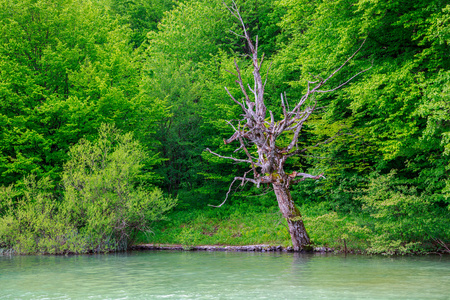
{"x": 291, "y": 213}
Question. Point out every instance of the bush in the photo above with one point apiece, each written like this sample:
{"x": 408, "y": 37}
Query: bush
{"x": 103, "y": 194}
{"x": 104, "y": 204}
{"x": 328, "y": 228}
{"x": 403, "y": 220}
{"x": 32, "y": 222}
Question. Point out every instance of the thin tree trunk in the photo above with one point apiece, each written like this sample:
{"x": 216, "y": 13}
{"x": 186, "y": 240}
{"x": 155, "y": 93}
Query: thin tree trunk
{"x": 299, "y": 236}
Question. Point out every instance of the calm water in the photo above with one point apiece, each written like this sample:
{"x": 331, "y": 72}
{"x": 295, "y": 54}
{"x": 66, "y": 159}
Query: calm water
{"x": 221, "y": 275}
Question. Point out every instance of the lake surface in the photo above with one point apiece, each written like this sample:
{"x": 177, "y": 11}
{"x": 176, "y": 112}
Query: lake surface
{"x": 223, "y": 275}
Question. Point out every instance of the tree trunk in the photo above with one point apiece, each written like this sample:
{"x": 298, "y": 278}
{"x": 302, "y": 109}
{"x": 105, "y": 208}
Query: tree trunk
{"x": 297, "y": 229}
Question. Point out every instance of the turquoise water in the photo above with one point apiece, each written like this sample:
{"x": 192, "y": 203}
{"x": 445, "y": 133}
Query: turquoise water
{"x": 223, "y": 275}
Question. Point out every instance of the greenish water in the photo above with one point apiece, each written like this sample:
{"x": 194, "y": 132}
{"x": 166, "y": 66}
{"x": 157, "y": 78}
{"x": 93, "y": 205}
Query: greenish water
{"x": 223, "y": 275}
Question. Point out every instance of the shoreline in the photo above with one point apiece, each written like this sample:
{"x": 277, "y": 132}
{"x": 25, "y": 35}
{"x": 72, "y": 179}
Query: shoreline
{"x": 263, "y": 248}
{"x": 246, "y": 248}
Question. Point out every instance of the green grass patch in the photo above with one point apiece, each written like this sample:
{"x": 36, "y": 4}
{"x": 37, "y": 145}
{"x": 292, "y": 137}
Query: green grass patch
{"x": 248, "y": 225}
{"x": 335, "y": 230}
{"x": 227, "y": 227}
{"x": 395, "y": 223}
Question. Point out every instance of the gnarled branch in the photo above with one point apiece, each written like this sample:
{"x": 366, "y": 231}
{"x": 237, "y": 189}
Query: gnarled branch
{"x": 230, "y": 157}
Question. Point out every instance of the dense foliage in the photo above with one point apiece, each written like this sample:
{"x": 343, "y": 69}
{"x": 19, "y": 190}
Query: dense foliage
{"x": 104, "y": 204}
{"x": 157, "y": 69}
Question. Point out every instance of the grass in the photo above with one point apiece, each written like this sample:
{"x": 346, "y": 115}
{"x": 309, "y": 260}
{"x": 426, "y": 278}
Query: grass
{"x": 212, "y": 227}
{"x": 249, "y": 225}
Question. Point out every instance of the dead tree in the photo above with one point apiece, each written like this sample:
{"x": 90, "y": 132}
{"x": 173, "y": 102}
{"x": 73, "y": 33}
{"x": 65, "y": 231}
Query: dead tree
{"x": 259, "y": 128}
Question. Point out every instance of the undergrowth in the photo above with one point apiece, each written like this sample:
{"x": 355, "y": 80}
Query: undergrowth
{"x": 216, "y": 226}
{"x": 379, "y": 227}
{"x": 250, "y": 225}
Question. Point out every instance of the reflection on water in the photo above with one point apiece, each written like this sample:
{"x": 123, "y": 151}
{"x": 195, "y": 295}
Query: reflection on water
{"x": 223, "y": 275}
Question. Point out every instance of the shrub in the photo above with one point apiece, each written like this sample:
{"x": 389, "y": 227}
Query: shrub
{"x": 103, "y": 195}
{"x": 32, "y": 223}
{"x": 328, "y": 228}
{"x": 403, "y": 219}
{"x": 104, "y": 204}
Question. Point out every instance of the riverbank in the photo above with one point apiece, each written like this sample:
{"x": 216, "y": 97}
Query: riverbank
{"x": 241, "y": 226}
{"x": 253, "y": 228}
{"x": 245, "y": 248}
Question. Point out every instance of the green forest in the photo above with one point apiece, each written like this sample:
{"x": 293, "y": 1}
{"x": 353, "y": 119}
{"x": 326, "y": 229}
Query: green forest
{"x": 107, "y": 108}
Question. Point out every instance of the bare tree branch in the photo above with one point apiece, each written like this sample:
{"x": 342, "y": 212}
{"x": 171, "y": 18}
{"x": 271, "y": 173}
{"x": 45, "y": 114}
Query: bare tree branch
{"x": 267, "y": 74}
{"x": 234, "y": 74}
{"x": 230, "y": 157}
{"x": 304, "y": 176}
{"x": 226, "y": 197}
{"x": 237, "y": 102}
{"x": 239, "y": 81}
{"x": 249, "y": 156}
{"x": 348, "y": 59}
{"x": 345, "y": 83}
{"x": 237, "y": 34}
